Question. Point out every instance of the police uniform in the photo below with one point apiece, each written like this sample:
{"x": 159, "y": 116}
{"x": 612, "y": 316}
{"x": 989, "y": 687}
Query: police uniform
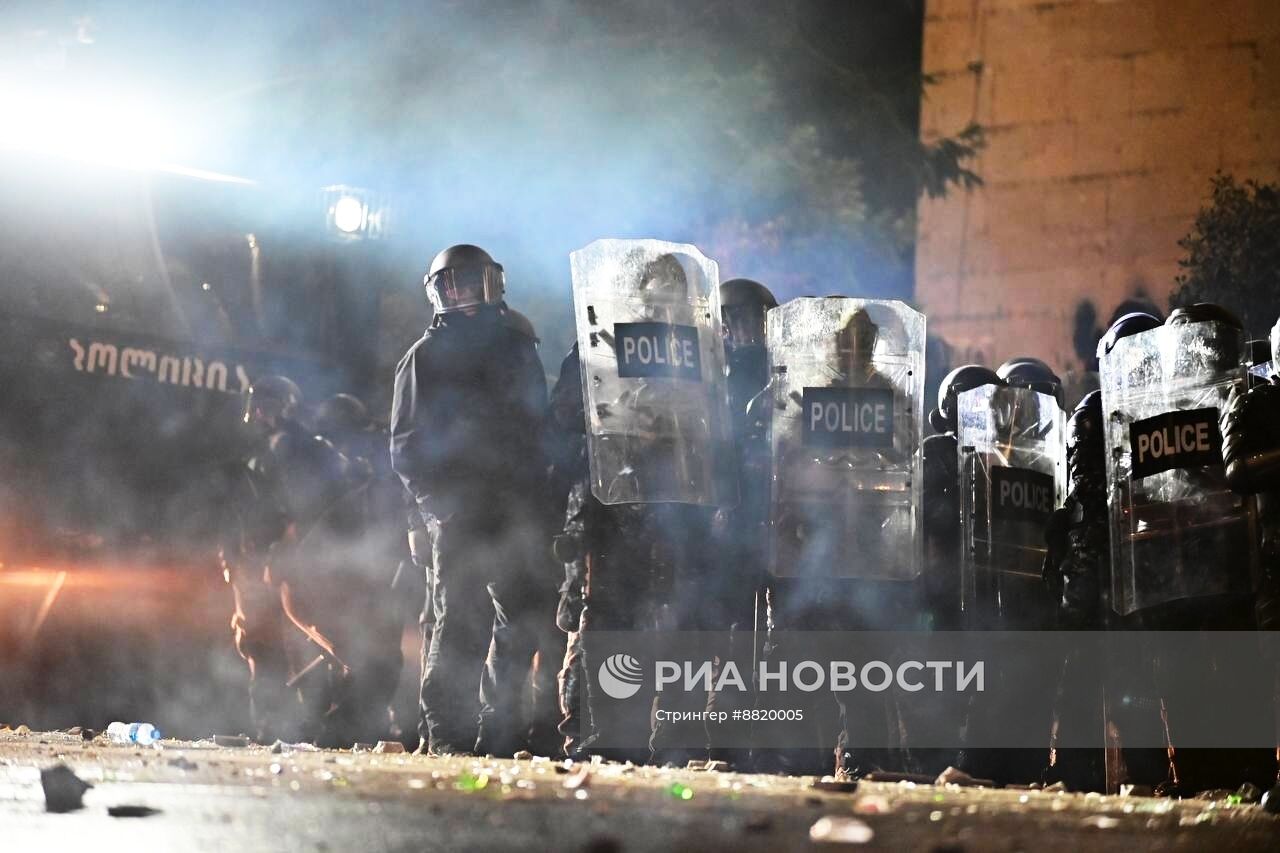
{"x": 466, "y": 440}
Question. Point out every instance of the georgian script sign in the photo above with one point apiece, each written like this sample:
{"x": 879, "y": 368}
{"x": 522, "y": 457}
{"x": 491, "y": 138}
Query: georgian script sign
{"x": 658, "y": 350}
{"x": 1020, "y": 494}
{"x": 1185, "y": 439}
{"x": 848, "y": 417}
{"x": 93, "y": 356}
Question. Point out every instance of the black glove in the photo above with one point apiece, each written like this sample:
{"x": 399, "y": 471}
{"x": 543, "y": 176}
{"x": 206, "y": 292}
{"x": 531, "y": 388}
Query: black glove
{"x": 1250, "y": 424}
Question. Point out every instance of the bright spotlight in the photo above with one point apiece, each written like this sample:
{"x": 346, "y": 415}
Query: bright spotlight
{"x": 348, "y": 214}
{"x": 354, "y": 213}
{"x": 102, "y": 130}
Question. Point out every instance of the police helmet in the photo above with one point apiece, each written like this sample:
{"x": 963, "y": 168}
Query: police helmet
{"x": 1124, "y": 326}
{"x": 271, "y": 397}
{"x": 464, "y": 276}
{"x": 1027, "y": 372}
{"x": 961, "y": 379}
{"x": 341, "y": 415}
{"x": 743, "y": 306}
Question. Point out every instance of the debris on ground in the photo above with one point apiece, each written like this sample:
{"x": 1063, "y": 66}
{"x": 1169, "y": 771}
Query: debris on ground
{"x": 840, "y": 830}
{"x": 955, "y": 776}
{"x": 63, "y": 789}
{"x": 131, "y": 811}
{"x": 580, "y": 779}
{"x": 231, "y": 740}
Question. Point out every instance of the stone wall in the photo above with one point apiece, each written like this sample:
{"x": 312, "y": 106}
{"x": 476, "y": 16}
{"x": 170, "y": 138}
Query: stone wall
{"x": 1105, "y": 120}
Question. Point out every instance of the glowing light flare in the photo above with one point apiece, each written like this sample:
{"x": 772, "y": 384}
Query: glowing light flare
{"x": 348, "y": 214}
{"x": 103, "y": 129}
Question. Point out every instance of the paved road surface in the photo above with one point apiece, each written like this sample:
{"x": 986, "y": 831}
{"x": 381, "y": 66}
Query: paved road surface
{"x": 242, "y": 799}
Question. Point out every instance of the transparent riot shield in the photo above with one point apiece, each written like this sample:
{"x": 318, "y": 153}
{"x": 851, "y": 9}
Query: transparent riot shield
{"x": 648, "y": 322}
{"x": 1012, "y": 468}
{"x": 845, "y": 429}
{"x": 1177, "y": 531}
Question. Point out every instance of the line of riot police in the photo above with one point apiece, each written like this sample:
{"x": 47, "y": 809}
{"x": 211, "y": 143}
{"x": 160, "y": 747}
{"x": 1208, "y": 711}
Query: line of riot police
{"x": 710, "y": 460}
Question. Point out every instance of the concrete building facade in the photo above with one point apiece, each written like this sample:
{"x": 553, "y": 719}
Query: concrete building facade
{"x": 1104, "y": 120}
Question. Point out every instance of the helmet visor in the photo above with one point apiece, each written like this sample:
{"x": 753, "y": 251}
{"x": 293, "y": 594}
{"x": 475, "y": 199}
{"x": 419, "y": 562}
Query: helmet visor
{"x": 744, "y": 325}
{"x": 455, "y": 288}
{"x": 260, "y": 409}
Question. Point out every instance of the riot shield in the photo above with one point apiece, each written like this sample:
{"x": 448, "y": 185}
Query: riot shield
{"x": 1012, "y": 470}
{"x": 1177, "y": 530}
{"x": 846, "y": 386}
{"x": 648, "y": 322}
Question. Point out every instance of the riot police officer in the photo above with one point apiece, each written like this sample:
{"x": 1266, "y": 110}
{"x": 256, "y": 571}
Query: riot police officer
{"x": 658, "y": 459}
{"x": 255, "y": 523}
{"x": 1076, "y": 570}
{"x": 1183, "y": 547}
{"x": 845, "y": 552}
{"x": 940, "y": 531}
{"x": 941, "y": 500}
{"x": 736, "y": 590}
{"x": 572, "y": 492}
{"x": 466, "y": 440}
{"x": 1251, "y": 453}
{"x": 297, "y": 493}
{"x": 1010, "y": 438}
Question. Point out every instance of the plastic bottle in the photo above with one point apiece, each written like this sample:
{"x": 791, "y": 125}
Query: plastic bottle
{"x": 143, "y": 734}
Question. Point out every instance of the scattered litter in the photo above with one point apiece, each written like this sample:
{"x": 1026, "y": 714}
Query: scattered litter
{"x": 361, "y": 747}
{"x": 388, "y": 747}
{"x": 1271, "y": 800}
{"x": 839, "y": 786}
{"x": 182, "y": 763}
{"x": 886, "y": 776}
{"x": 1135, "y": 790}
{"x": 680, "y": 791}
{"x": 523, "y": 755}
{"x": 953, "y": 776}
{"x": 580, "y": 779}
{"x": 717, "y": 767}
{"x": 63, "y": 789}
{"x": 696, "y": 764}
{"x": 231, "y": 740}
{"x": 840, "y": 830}
{"x": 1056, "y": 788}
{"x": 131, "y": 811}
{"x": 302, "y": 746}
{"x": 472, "y": 782}
{"x": 1249, "y": 793}
{"x": 142, "y": 734}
